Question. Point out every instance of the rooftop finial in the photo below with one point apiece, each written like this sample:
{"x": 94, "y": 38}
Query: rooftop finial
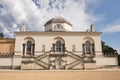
{"x": 23, "y": 27}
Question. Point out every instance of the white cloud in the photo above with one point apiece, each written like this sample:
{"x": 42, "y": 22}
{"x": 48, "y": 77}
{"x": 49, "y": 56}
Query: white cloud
{"x": 118, "y": 50}
{"x": 25, "y": 11}
{"x": 115, "y": 27}
{"x": 5, "y": 30}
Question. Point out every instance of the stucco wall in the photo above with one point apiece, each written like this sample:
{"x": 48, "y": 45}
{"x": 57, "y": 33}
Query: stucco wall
{"x": 106, "y": 61}
{"x": 47, "y": 40}
{"x": 5, "y": 61}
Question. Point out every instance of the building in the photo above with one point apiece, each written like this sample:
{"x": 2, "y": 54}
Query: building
{"x": 59, "y": 48}
{"x": 7, "y": 46}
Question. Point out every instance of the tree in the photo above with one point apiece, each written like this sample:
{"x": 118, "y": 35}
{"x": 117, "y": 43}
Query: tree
{"x": 107, "y": 48}
{"x": 118, "y": 60}
{"x": 1, "y": 35}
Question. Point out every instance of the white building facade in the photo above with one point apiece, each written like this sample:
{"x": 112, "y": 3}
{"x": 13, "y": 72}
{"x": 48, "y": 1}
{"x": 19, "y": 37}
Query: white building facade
{"x": 59, "y": 48}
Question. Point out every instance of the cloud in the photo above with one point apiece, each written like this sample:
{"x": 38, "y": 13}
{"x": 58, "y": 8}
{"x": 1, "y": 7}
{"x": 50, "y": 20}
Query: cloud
{"x": 35, "y": 13}
{"x": 118, "y": 49}
{"x": 5, "y": 30}
{"x": 111, "y": 28}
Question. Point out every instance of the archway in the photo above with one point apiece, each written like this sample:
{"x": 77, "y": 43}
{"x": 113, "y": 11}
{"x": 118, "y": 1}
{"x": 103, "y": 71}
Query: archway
{"x": 58, "y": 44}
{"x": 88, "y": 46}
{"x": 28, "y": 46}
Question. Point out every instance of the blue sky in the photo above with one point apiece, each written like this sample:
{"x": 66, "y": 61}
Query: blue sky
{"x": 105, "y": 14}
{"x": 111, "y": 11}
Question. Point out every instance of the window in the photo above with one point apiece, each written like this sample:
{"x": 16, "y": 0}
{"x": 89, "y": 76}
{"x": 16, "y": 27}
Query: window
{"x": 55, "y": 26}
{"x": 58, "y": 46}
{"x": 29, "y": 45}
{"x": 58, "y": 26}
{"x": 87, "y": 46}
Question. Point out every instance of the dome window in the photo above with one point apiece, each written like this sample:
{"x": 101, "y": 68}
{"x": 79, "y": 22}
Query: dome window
{"x": 58, "y": 26}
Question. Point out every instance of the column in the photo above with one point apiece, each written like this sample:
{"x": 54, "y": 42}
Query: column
{"x": 91, "y": 52}
{"x": 33, "y": 49}
{"x": 93, "y": 49}
{"x": 53, "y": 47}
{"x": 23, "y": 49}
{"x": 63, "y": 47}
{"x": 85, "y": 49}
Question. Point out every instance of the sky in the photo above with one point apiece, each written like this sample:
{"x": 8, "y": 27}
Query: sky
{"x": 104, "y": 14}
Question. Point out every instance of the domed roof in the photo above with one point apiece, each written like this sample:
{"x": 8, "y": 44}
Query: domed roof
{"x": 58, "y": 20}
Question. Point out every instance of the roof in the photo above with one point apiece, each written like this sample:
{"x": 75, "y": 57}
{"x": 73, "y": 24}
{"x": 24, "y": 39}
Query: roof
{"x": 7, "y": 40}
{"x": 58, "y": 20}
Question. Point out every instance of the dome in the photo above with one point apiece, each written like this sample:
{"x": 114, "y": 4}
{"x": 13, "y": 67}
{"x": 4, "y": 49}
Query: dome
{"x": 58, "y": 24}
{"x": 58, "y": 20}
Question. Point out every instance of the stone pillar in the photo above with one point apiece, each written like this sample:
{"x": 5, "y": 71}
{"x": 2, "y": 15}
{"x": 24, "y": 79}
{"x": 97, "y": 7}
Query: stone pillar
{"x": 53, "y": 47}
{"x": 93, "y": 49}
{"x": 85, "y": 50}
{"x": 91, "y": 52}
{"x": 23, "y": 49}
{"x": 33, "y": 49}
{"x": 58, "y": 62}
{"x": 63, "y": 47}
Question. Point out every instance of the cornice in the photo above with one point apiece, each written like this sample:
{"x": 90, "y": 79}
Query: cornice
{"x": 7, "y": 40}
{"x": 57, "y": 33}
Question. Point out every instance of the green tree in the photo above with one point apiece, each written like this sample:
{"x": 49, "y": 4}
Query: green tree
{"x": 118, "y": 60}
{"x": 107, "y": 48}
{"x": 1, "y": 35}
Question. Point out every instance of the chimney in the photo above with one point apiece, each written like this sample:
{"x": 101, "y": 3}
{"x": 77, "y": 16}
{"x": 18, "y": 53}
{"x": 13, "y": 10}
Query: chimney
{"x": 92, "y": 28}
{"x": 23, "y": 27}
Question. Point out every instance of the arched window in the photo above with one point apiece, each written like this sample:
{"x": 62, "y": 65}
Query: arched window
{"x": 58, "y": 46}
{"x": 29, "y": 45}
{"x": 87, "y": 46}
